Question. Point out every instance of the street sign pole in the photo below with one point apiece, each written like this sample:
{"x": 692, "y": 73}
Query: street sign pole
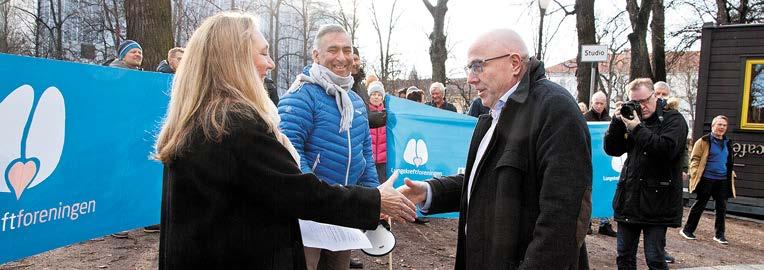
{"x": 593, "y": 54}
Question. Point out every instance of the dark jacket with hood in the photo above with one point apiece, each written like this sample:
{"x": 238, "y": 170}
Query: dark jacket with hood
{"x": 531, "y": 196}
{"x": 650, "y": 188}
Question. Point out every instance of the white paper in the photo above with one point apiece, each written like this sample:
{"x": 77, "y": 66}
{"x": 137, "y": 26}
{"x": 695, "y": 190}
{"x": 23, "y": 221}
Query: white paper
{"x": 332, "y": 237}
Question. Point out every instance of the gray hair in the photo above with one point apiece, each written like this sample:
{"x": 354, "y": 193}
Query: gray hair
{"x": 326, "y": 29}
{"x": 662, "y": 84}
{"x": 717, "y": 118}
{"x": 596, "y": 95}
{"x": 437, "y": 85}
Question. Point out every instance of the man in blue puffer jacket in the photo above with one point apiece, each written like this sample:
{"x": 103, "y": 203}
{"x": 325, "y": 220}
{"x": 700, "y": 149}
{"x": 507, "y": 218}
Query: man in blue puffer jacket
{"x": 327, "y": 124}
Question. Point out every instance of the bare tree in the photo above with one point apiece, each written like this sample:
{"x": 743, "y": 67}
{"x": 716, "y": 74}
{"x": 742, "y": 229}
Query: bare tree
{"x": 720, "y": 12}
{"x": 387, "y": 60}
{"x": 640, "y": 58}
{"x": 438, "y": 52}
{"x": 658, "y": 27}
{"x": 348, "y": 19}
{"x": 310, "y": 15}
{"x": 273, "y": 8}
{"x": 614, "y": 79}
{"x": 149, "y": 23}
{"x": 49, "y": 27}
{"x": 586, "y": 35}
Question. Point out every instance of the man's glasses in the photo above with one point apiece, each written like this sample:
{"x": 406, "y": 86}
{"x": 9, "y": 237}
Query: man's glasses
{"x": 476, "y": 67}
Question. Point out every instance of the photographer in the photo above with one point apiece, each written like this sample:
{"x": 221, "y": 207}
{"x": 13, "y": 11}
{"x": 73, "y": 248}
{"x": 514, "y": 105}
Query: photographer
{"x": 649, "y": 194}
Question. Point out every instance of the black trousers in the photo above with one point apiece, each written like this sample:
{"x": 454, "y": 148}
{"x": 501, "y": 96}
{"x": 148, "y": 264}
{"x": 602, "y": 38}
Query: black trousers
{"x": 381, "y": 172}
{"x": 719, "y": 190}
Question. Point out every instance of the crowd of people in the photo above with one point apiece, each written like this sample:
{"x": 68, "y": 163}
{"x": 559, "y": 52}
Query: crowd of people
{"x": 242, "y": 164}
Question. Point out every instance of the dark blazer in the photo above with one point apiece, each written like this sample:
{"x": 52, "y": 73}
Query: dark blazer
{"x": 531, "y": 197}
{"x": 234, "y": 204}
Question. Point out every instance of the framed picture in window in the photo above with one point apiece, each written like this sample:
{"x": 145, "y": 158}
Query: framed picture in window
{"x": 752, "y": 111}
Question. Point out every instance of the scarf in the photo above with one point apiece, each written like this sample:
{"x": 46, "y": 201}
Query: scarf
{"x": 283, "y": 139}
{"x": 335, "y": 86}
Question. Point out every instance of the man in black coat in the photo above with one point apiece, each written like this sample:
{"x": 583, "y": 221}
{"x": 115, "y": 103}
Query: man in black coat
{"x": 524, "y": 201}
{"x": 649, "y": 194}
{"x": 598, "y": 111}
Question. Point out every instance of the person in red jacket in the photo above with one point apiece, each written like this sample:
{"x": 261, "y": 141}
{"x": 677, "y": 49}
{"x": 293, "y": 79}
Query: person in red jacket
{"x": 379, "y": 134}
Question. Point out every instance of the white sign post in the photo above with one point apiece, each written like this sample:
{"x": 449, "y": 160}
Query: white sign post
{"x": 593, "y": 54}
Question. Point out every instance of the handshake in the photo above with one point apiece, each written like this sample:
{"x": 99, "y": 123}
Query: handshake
{"x": 400, "y": 204}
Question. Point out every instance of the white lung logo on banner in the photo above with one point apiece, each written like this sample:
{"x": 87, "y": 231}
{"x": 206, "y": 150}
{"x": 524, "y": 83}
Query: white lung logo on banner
{"x": 32, "y": 141}
{"x": 415, "y": 152}
{"x": 617, "y": 162}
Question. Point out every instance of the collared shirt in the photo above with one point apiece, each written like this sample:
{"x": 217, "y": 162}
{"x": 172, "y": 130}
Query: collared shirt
{"x": 495, "y": 114}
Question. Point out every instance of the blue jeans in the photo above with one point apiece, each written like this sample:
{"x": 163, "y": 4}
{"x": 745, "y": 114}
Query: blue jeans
{"x": 628, "y": 240}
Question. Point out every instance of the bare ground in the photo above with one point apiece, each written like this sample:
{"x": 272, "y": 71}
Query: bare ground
{"x": 429, "y": 246}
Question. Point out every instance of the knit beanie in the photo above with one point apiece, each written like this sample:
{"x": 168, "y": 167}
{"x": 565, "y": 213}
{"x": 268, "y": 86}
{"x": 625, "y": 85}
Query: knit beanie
{"x": 126, "y": 46}
{"x": 376, "y": 87}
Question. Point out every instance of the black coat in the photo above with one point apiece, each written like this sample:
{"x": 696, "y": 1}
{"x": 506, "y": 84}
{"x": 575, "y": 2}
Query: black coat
{"x": 446, "y": 106}
{"x": 593, "y": 116}
{"x": 164, "y": 67}
{"x": 650, "y": 188}
{"x": 235, "y": 204}
{"x": 531, "y": 198}
{"x": 477, "y": 108}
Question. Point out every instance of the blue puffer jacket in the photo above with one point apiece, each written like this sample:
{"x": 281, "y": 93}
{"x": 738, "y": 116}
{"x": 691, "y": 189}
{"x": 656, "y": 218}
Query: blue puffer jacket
{"x": 311, "y": 120}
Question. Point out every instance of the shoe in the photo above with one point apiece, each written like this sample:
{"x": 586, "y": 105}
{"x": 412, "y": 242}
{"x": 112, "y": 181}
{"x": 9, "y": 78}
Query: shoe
{"x": 687, "y": 235}
{"x": 669, "y": 258}
{"x": 356, "y": 263}
{"x": 151, "y": 229}
{"x": 421, "y": 221}
{"x": 119, "y": 235}
{"x": 722, "y": 240}
{"x": 607, "y": 229}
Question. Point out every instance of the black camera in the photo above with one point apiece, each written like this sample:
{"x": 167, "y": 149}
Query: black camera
{"x": 628, "y": 109}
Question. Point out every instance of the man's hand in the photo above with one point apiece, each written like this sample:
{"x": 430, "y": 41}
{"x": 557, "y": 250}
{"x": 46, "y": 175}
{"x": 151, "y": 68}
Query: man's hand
{"x": 394, "y": 204}
{"x": 631, "y": 123}
{"x": 617, "y": 112}
{"x": 415, "y": 191}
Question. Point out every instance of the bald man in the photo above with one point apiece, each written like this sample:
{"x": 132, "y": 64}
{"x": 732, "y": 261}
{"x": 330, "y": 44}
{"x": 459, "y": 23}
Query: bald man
{"x": 524, "y": 201}
{"x": 598, "y": 111}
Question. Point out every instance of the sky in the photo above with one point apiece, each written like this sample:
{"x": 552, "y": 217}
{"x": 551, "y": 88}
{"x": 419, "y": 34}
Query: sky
{"x": 467, "y": 19}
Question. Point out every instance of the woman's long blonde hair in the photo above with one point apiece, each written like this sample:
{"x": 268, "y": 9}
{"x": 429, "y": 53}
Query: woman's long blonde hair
{"x": 215, "y": 80}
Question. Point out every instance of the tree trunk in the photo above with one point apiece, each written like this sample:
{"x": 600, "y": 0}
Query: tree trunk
{"x": 438, "y": 51}
{"x": 38, "y": 30}
{"x": 274, "y": 10}
{"x": 59, "y": 26}
{"x": 586, "y": 36}
{"x": 640, "y": 57}
{"x": 149, "y": 22}
{"x": 658, "y": 28}
{"x": 722, "y": 13}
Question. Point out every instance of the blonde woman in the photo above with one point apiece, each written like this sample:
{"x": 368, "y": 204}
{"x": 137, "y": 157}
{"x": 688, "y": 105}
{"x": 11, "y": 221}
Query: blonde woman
{"x": 232, "y": 189}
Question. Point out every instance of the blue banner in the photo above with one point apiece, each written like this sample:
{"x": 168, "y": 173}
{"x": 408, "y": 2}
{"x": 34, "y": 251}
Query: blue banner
{"x": 425, "y": 142}
{"x": 607, "y": 170}
{"x": 74, "y": 152}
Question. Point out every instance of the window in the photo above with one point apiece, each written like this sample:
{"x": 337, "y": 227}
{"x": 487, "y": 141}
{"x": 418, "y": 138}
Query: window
{"x": 752, "y": 111}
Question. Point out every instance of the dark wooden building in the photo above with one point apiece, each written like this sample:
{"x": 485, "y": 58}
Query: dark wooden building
{"x": 731, "y": 83}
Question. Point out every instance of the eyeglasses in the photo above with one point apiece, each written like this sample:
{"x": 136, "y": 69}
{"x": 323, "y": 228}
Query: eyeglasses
{"x": 476, "y": 67}
{"x": 643, "y": 101}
